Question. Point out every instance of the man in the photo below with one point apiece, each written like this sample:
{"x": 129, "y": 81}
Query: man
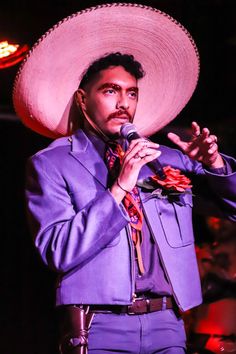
{"x": 122, "y": 243}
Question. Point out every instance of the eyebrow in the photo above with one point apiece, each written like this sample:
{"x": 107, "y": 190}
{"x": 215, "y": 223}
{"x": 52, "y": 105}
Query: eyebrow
{"x": 116, "y": 87}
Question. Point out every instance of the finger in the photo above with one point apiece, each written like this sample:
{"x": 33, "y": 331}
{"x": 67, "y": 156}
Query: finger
{"x": 132, "y": 145}
{"x": 205, "y": 133}
{"x": 142, "y": 142}
{"x": 137, "y": 156}
{"x": 148, "y": 158}
{"x": 213, "y": 149}
{"x": 135, "y": 148}
{"x": 196, "y": 131}
{"x": 211, "y": 139}
{"x": 143, "y": 153}
{"x": 146, "y": 151}
{"x": 177, "y": 140}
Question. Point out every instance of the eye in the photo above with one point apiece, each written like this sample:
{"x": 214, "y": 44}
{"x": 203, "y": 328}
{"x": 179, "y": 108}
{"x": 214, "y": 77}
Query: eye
{"x": 133, "y": 94}
{"x": 109, "y": 91}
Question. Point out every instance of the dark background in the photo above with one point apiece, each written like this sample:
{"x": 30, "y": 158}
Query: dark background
{"x": 27, "y": 294}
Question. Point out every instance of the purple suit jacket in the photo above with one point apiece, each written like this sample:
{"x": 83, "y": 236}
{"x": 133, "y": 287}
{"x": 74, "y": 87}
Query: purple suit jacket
{"x": 83, "y": 234}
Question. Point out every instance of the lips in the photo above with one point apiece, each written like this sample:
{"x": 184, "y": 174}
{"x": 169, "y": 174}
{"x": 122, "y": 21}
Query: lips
{"x": 120, "y": 120}
{"x": 121, "y": 117}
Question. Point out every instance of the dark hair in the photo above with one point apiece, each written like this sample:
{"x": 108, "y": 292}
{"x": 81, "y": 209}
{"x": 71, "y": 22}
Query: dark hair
{"x": 113, "y": 59}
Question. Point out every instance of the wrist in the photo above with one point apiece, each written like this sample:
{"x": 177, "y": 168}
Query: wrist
{"x": 218, "y": 163}
{"x": 120, "y": 186}
{"x": 118, "y": 192}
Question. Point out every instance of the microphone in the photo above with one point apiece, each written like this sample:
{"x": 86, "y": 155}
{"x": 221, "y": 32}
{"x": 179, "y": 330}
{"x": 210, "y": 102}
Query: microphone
{"x": 129, "y": 132}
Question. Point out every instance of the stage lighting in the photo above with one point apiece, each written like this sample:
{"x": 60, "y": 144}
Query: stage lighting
{"x": 11, "y": 54}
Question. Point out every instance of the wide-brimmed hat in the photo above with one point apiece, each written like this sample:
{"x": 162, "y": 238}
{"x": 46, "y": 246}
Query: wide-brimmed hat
{"x": 44, "y": 88}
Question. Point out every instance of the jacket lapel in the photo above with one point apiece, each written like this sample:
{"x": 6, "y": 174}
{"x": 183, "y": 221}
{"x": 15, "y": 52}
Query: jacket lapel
{"x": 86, "y": 154}
{"x": 83, "y": 150}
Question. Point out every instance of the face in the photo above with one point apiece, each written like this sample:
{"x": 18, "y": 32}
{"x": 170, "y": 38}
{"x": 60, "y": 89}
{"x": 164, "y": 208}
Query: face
{"x": 110, "y": 100}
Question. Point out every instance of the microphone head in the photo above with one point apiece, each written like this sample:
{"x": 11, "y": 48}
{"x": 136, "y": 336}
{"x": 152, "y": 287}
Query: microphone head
{"x": 127, "y": 129}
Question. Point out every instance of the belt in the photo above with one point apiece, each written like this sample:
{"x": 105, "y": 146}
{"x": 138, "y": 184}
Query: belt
{"x": 139, "y": 306}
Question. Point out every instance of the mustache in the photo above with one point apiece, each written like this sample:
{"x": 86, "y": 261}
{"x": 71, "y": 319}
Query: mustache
{"x": 120, "y": 113}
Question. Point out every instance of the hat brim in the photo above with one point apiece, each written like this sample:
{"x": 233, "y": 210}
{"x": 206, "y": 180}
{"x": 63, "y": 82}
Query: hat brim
{"x": 49, "y": 76}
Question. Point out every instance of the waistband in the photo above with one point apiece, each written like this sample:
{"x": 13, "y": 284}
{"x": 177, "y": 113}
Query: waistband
{"x": 138, "y": 307}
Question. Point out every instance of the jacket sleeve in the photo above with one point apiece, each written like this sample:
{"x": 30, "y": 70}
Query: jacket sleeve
{"x": 215, "y": 194}
{"x": 65, "y": 238}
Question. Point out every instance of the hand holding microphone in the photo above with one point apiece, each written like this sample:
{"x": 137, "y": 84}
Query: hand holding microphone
{"x": 140, "y": 152}
{"x": 129, "y": 132}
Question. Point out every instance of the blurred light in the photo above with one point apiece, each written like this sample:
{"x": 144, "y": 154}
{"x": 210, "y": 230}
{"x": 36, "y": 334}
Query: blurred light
{"x": 214, "y": 223}
{"x": 11, "y": 54}
{"x": 7, "y": 49}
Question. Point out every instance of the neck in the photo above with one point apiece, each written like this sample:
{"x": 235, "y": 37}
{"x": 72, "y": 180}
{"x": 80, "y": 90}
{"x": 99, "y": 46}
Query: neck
{"x": 90, "y": 126}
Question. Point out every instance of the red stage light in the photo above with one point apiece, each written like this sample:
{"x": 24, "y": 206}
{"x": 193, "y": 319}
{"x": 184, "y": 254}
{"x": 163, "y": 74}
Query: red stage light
{"x": 11, "y": 54}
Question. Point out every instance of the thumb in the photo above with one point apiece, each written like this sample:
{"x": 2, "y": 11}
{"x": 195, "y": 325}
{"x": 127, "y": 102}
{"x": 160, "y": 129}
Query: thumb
{"x": 175, "y": 139}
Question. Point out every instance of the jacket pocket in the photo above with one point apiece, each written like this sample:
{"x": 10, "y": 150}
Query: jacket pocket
{"x": 176, "y": 221}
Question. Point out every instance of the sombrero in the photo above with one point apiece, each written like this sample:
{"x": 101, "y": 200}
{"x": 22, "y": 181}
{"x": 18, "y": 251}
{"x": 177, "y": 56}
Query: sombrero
{"x": 50, "y": 74}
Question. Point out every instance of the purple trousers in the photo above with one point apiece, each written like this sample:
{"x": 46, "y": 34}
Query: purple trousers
{"x": 156, "y": 332}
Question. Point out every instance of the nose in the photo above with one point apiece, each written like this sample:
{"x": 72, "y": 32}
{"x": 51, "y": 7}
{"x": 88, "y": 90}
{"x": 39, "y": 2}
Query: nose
{"x": 122, "y": 102}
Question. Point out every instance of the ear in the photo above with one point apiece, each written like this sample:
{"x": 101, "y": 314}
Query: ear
{"x": 80, "y": 97}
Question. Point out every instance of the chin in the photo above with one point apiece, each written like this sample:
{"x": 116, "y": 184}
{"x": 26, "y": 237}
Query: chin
{"x": 113, "y": 135}
{"x": 113, "y": 131}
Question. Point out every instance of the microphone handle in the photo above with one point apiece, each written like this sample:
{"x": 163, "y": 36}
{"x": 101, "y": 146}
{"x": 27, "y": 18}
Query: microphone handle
{"x": 156, "y": 166}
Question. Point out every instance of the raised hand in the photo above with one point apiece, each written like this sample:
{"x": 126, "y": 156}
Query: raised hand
{"x": 202, "y": 146}
{"x": 140, "y": 152}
